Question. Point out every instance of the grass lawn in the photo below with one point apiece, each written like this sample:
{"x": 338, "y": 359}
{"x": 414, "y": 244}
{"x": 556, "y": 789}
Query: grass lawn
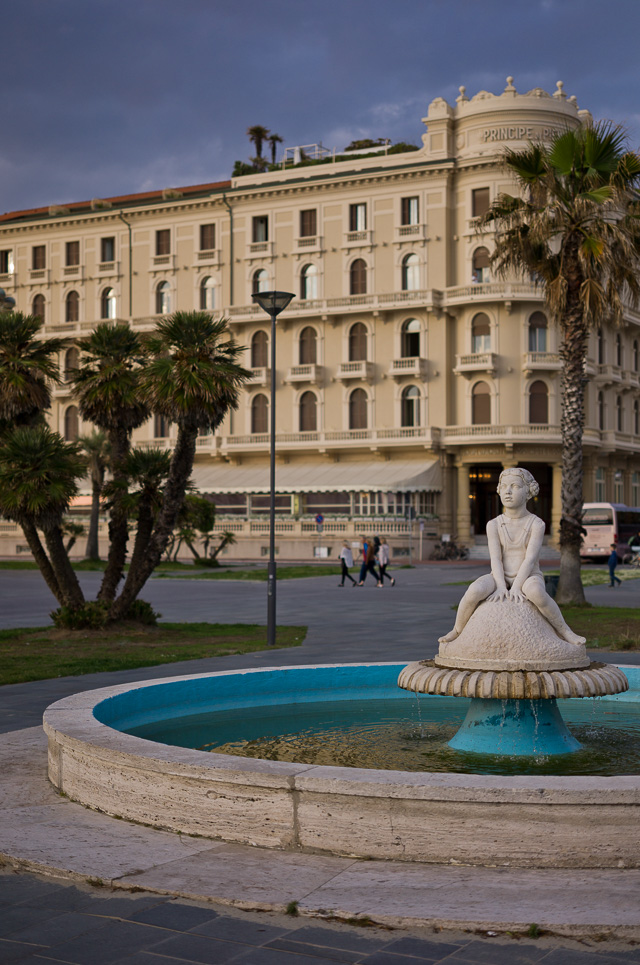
{"x": 39, "y": 653}
{"x": 590, "y": 577}
{"x": 606, "y": 627}
{"x": 257, "y": 573}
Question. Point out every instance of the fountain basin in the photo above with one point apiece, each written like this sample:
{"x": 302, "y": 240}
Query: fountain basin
{"x": 527, "y": 821}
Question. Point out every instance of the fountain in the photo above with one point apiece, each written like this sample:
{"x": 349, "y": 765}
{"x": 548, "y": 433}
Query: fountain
{"x": 510, "y": 650}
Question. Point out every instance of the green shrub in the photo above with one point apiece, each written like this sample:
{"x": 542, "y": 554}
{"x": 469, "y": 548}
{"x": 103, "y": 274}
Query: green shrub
{"x": 94, "y": 615}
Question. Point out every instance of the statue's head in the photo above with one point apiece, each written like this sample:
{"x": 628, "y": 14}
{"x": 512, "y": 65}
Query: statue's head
{"x": 532, "y": 486}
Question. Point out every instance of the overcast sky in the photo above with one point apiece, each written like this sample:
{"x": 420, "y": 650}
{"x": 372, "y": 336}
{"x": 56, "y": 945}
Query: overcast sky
{"x": 106, "y": 97}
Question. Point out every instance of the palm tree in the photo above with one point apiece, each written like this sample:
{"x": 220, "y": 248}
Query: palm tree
{"x": 258, "y": 135}
{"x": 192, "y": 378}
{"x": 274, "y": 140}
{"x": 38, "y": 479}
{"x": 147, "y": 471}
{"x": 27, "y": 364}
{"x": 95, "y": 446}
{"x": 575, "y": 227}
{"x": 107, "y": 385}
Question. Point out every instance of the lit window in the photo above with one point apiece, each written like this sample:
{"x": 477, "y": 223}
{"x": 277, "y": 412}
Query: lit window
{"x": 309, "y": 282}
{"x": 72, "y": 307}
{"x": 410, "y": 406}
{"x": 358, "y": 342}
{"x": 358, "y": 277}
{"x": 208, "y": 294}
{"x": 207, "y": 237}
{"x": 358, "y": 409}
{"x": 538, "y": 332}
{"x": 481, "y": 333}
{"x": 481, "y": 404}
{"x": 259, "y": 414}
{"x": 539, "y": 403}
{"x": 409, "y": 211}
{"x": 410, "y": 347}
{"x": 357, "y": 217}
{"x": 308, "y": 412}
{"x": 410, "y": 273}
{"x": 480, "y": 266}
{"x": 163, "y": 298}
{"x": 260, "y": 281}
{"x": 260, "y": 350}
{"x": 108, "y": 304}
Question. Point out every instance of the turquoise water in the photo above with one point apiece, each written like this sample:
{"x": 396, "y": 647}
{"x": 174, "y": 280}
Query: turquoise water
{"x": 406, "y": 732}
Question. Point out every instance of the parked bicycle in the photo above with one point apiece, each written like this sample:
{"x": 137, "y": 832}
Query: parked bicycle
{"x": 449, "y": 551}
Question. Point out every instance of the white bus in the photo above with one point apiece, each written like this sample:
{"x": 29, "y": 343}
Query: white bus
{"x": 608, "y": 523}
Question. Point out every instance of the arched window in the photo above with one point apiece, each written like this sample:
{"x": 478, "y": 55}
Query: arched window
{"x": 410, "y": 273}
{"x": 308, "y": 412}
{"x": 308, "y": 346}
{"x": 618, "y": 349}
{"x": 358, "y": 409}
{"x": 71, "y": 424}
{"x": 636, "y": 420}
{"x": 480, "y": 266}
{"x": 37, "y": 307}
{"x": 481, "y": 333}
{"x": 358, "y": 342}
{"x": 260, "y": 350}
{"x": 538, "y": 332}
{"x": 72, "y": 307}
{"x": 636, "y": 356}
{"x": 539, "y": 403}
{"x": 619, "y": 414}
{"x": 108, "y": 303}
{"x": 160, "y": 426}
{"x": 410, "y": 414}
{"x": 260, "y": 282}
{"x": 71, "y": 361}
{"x": 481, "y": 404}
{"x": 163, "y": 298}
{"x": 309, "y": 282}
{"x": 600, "y": 411}
{"x": 260, "y": 414}
{"x": 600, "y": 346}
{"x": 358, "y": 277}
{"x": 208, "y": 294}
{"x": 410, "y": 341}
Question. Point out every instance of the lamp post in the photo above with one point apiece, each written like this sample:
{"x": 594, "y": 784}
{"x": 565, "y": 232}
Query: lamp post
{"x": 272, "y": 303}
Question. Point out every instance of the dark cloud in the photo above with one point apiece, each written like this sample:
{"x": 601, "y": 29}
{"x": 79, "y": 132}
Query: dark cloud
{"x": 110, "y": 96}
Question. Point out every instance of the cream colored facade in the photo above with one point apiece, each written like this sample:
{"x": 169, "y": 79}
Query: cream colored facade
{"x": 434, "y": 332}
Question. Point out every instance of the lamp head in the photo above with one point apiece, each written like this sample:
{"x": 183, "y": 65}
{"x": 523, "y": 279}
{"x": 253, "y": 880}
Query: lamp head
{"x": 272, "y": 302}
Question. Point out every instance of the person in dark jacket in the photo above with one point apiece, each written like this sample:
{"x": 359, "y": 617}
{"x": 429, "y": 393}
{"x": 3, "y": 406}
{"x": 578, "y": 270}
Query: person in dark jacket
{"x": 613, "y": 562}
{"x": 368, "y": 566}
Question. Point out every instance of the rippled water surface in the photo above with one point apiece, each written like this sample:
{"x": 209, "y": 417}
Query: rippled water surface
{"x": 399, "y": 734}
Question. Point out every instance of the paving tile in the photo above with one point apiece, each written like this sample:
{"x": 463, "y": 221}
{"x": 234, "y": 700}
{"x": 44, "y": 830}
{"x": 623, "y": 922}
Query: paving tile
{"x": 18, "y": 887}
{"x": 423, "y": 948}
{"x": 175, "y": 915}
{"x": 272, "y": 956}
{"x": 243, "y": 930}
{"x": 306, "y": 948}
{"x": 498, "y": 953}
{"x": 16, "y": 952}
{"x": 123, "y": 906}
{"x": 328, "y": 937}
{"x": 106, "y": 945}
{"x": 55, "y": 930}
{"x": 571, "y": 956}
{"x": 16, "y": 917}
{"x": 194, "y": 948}
{"x": 385, "y": 957}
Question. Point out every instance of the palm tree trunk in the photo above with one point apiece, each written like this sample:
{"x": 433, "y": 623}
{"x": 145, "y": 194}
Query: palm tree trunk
{"x": 118, "y": 523}
{"x": 572, "y": 352}
{"x": 41, "y": 558}
{"x": 174, "y": 492}
{"x": 143, "y": 533}
{"x": 65, "y": 573}
{"x": 92, "y": 551}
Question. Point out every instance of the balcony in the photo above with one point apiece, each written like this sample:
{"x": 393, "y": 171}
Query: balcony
{"x": 305, "y": 373}
{"x": 260, "y": 249}
{"x": 384, "y": 301}
{"x": 162, "y": 262}
{"x": 355, "y": 370}
{"x": 108, "y": 268}
{"x": 358, "y": 239}
{"x": 308, "y": 244}
{"x": 507, "y": 434}
{"x": 415, "y": 367}
{"x": 426, "y": 437}
{"x": 410, "y": 232}
{"x": 73, "y": 271}
{"x": 492, "y": 291}
{"x": 40, "y": 275}
{"x": 467, "y": 365}
{"x": 259, "y": 376}
{"x": 630, "y": 380}
{"x": 607, "y": 374}
{"x": 209, "y": 257}
{"x": 541, "y": 362}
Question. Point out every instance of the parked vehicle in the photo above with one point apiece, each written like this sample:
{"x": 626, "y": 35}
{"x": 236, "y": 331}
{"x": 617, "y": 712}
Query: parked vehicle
{"x": 607, "y": 523}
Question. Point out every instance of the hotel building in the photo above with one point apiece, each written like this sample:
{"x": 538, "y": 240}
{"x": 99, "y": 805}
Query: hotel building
{"x": 407, "y": 376}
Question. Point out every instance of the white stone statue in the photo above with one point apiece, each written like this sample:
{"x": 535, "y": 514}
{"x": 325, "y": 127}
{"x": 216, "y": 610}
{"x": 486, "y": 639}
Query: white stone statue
{"x": 515, "y": 541}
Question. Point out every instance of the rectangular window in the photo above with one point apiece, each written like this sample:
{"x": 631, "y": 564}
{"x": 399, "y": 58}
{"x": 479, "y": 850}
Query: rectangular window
{"x": 72, "y": 254}
{"x": 308, "y": 223}
{"x": 163, "y": 241}
{"x": 38, "y": 257}
{"x": 357, "y": 217}
{"x": 480, "y": 202}
{"x": 410, "y": 213}
{"x": 6, "y": 262}
{"x": 599, "y": 486}
{"x": 107, "y": 249}
{"x": 207, "y": 237}
{"x": 260, "y": 229}
{"x": 618, "y": 486}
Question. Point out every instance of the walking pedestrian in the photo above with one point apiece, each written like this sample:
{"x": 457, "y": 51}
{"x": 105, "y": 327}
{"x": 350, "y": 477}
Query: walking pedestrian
{"x": 346, "y": 559}
{"x": 613, "y": 562}
{"x": 368, "y": 566}
{"x": 363, "y": 553}
{"x": 383, "y": 562}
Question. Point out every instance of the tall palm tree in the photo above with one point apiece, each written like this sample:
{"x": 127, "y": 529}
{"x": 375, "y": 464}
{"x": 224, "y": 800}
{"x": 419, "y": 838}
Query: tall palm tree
{"x": 274, "y": 140}
{"x": 147, "y": 471}
{"x": 192, "y": 378}
{"x": 27, "y": 365}
{"x": 95, "y": 446}
{"x": 575, "y": 227}
{"x": 38, "y": 478}
{"x": 107, "y": 386}
{"x": 258, "y": 135}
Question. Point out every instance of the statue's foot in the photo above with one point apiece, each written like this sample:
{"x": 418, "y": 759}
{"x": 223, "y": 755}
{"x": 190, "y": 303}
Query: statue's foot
{"x": 571, "y": 637}
{"x": 452, "y": 635}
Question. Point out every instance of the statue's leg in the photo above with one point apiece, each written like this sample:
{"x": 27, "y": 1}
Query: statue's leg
{"x": 534, "y": 591}
{"x": 476, "y": 593}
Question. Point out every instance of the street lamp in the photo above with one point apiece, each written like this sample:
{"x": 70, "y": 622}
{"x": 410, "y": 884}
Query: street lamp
{"x": 272, "y": 303}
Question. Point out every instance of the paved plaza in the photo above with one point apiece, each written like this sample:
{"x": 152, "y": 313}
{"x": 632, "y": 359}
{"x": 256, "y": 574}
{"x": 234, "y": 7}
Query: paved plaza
{"x": 46, "y": 919}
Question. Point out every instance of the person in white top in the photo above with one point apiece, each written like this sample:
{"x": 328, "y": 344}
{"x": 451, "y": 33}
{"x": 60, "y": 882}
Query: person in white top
{"x": 515, "y": 541}
{"x": 383, "y": 562}
{"x": 346, "y": 559}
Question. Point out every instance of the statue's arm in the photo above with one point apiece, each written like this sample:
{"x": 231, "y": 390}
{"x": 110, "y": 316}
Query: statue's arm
{"x": 531, "y": 558}
{"x": 497, "y": 569}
